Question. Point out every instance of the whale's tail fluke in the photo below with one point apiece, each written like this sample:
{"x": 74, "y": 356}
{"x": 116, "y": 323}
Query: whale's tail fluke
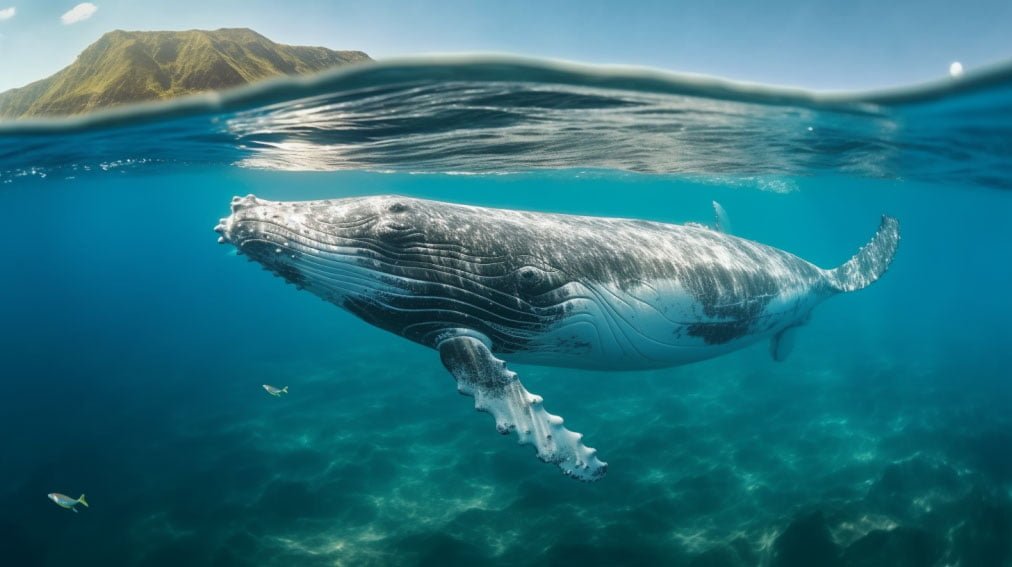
{"x": 871, "y": 261}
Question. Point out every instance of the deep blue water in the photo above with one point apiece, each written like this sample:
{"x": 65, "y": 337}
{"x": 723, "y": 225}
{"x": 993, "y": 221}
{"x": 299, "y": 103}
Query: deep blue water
{"x": 134, "y": 346}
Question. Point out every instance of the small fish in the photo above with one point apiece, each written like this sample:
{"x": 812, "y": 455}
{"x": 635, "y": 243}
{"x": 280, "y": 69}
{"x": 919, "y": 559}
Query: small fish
{"x": 276, "y": 392}
{"x": 64, "y": 501}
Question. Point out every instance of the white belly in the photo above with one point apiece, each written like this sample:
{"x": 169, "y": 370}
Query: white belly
{"x": 651, "y": 325}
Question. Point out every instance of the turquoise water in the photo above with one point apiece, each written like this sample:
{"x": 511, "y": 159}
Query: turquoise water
{"x": 134, "y": 346}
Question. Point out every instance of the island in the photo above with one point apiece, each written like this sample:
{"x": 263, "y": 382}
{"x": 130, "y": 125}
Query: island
{"x": 125, "y": 67}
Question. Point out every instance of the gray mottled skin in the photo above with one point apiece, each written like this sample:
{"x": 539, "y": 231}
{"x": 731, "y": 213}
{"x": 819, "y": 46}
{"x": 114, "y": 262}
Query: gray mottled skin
{"x": 479, "y": 283}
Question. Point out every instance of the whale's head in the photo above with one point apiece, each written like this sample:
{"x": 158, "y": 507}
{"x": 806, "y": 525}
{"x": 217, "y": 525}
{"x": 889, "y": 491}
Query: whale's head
{"x": 333, "y": 248}
{"x": 413, "y": 267}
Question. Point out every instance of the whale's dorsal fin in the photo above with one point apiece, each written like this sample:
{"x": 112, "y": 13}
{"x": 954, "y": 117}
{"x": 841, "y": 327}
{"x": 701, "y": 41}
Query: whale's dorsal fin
{"x": 720, "y": 220}
{"x": 498, "y": 391}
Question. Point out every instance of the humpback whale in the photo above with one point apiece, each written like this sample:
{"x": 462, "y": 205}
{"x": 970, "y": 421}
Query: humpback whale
{"x": 487, "y": 287}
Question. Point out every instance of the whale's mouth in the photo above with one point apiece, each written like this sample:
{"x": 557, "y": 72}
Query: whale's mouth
{"x": 261, "y": 231}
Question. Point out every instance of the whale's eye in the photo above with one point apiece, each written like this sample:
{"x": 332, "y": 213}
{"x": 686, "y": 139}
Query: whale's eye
{"x": 530, "y": 278}
{"x": 397, "y": 207}
{"x": 533, "y": 277}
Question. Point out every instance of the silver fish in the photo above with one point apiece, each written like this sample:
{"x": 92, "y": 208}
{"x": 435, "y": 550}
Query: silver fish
{"x": 64, "y": 501}
{"x": 274, "y": 391}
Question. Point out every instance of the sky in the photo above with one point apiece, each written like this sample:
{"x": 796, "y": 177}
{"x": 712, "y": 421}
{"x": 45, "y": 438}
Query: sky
{"x": 816, "y": 44}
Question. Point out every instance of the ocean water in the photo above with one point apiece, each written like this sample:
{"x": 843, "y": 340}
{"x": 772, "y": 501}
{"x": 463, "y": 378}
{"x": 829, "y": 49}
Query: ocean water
{"x": 134, "y": 347}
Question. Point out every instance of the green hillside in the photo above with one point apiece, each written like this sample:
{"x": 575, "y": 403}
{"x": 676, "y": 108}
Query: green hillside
{"x": 124, "y": 67}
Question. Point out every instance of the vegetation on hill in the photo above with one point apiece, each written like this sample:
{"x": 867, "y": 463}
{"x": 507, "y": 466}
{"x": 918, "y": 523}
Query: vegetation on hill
{"x": 126, "y": 67}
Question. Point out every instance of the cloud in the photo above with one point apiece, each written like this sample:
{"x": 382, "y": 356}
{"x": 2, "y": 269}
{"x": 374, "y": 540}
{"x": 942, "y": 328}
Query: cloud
{"x": 8, "y": 13}
{"x": 79, "y": 13}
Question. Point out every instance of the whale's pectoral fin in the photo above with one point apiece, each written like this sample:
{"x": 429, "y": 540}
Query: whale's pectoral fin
{"x": 782, "y": 343}
{"x": 498, "y": 391}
